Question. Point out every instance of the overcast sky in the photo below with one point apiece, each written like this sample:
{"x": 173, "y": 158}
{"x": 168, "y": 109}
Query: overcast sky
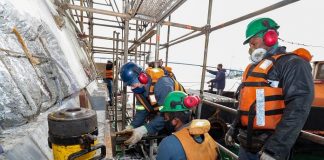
{"x": 300, "y": 22}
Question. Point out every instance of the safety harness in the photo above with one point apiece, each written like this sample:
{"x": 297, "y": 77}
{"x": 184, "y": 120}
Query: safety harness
{"x": 261, "y": 100}
{"x": 150, "y": 103}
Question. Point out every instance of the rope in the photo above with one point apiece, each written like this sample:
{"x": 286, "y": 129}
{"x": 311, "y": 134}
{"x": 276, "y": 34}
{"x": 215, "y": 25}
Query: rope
{"x": 301, "y": 44}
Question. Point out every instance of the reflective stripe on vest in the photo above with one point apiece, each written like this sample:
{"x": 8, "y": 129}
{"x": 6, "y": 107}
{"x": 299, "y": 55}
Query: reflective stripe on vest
{"x": 255, "y": 78}
{"x": 109, "y": 74}
{"x": 139, "y": 107}
{"x": 207, "y": 150}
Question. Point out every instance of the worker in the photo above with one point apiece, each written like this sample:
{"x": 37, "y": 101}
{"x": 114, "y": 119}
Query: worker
{"x": 190, "y": 140}
{"x": 276, "y": 96}
{"x": 219, "y": 81}
{"x": 151, "y": 62}
{"x": 109, "y": 74}
{"x": 150, "y": 88}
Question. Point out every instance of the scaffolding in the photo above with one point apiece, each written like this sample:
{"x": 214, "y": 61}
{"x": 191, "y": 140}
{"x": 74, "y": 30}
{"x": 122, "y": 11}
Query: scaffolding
{"x": 144, "y": 18}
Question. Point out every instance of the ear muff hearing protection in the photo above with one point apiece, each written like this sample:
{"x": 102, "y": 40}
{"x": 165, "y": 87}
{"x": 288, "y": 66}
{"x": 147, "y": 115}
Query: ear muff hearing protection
{"x": 191, "y": 101}
{"x": 270, "y": 37}
{"x": 188, "y": 102}
{"x": 142, "y": 77}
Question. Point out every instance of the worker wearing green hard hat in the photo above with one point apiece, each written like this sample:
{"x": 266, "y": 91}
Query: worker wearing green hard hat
{"x": 190, "y": 140}
{"x": 259, "y": 27}
{"x": 174, "y": 102}
{"x": 276, "y": 96}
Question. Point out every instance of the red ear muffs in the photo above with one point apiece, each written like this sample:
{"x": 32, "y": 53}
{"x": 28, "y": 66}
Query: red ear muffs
{"x": 198, "y": 98}
{"x": 143, "y": 78}
{"x": 270, "y": 38}
{"x": 191, "y": 101}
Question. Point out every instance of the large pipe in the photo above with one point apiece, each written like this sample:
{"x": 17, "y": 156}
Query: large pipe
{"x": 312, "y": 137}
{"x": 306, "y": 135}
{"x": 222, "y": 107}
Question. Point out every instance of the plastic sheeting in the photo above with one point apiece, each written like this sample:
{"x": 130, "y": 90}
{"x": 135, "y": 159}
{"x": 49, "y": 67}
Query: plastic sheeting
{"x": 28, "y": 89}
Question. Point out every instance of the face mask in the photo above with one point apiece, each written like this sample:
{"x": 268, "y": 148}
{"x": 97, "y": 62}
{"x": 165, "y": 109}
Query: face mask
{"x": 139, "y": 90}
{"x": 168, "y": 125}
{"x": 257, "y": 54}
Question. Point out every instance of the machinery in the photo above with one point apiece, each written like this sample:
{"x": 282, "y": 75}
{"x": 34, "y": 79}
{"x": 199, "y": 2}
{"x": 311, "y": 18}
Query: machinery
{"x": 72, "y": 134}
{"x": 317, "y": 110}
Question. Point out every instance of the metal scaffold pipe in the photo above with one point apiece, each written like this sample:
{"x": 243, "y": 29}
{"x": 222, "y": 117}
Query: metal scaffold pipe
{"x": 167, "y": 47}
{"x": 184, "y": 26}
{"x": 239, "y": 19}
{"x": 122, "y": 40}
{"x": 227, "y": 151}
{"x": 136, "y": 36}
{"x": 126, "y": 30}
{"x": 158, "y": 29}
{"x": 116, "y": 83}
{"x": 203, "y": 74}
{"x": 93, "y": 10}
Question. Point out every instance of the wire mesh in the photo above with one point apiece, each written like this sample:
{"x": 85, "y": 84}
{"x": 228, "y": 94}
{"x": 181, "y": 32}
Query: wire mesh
{"x": 152, "y": 9}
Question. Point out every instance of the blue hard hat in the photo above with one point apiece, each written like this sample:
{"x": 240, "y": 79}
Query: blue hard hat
{"x": 129, "y": 73}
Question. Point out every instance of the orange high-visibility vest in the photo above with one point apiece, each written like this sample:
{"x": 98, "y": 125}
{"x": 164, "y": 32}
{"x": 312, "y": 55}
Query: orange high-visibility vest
{"x": 207, "y": 150}
{"x": 255, "y": 78}
{"x": 109, "y": 74}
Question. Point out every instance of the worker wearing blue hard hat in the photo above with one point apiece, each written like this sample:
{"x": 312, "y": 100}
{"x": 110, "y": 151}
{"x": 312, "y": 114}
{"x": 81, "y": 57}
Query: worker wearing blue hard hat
{"x": 150, "y": 88}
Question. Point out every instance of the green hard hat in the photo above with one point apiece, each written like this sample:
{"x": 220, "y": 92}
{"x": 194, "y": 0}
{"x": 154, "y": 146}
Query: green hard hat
{"x": 259, "y": 26}
{"x": 174, "y": 102}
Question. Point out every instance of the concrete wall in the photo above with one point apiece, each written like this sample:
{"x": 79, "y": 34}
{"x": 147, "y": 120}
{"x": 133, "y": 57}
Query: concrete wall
{"x": 28, "y": 89}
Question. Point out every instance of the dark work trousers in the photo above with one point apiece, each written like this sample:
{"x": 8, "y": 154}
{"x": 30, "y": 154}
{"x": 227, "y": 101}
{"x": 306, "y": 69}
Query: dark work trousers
{"x": 109, "y": 87}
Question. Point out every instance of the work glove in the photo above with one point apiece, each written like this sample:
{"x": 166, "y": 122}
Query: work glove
{"x": 137, "y": 135}
{"x": 128, "y": 130}
{"x": 266, "y": 156}
{"x": 229, "y": 140}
